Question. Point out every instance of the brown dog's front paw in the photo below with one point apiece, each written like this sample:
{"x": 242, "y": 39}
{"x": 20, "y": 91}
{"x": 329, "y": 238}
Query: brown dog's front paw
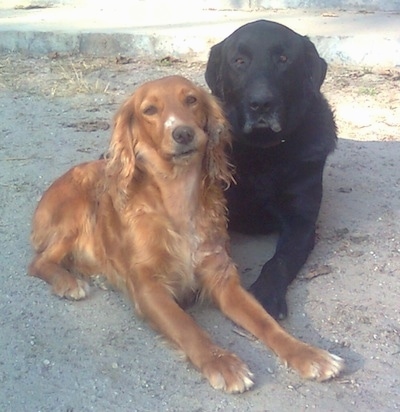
{"x": 314, "y": 363}
{"x": 225, "y": 371}
{"x": 71, "y": 288}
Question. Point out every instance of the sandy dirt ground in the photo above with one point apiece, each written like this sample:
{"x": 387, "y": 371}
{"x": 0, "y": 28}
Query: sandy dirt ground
{"x": 96, "y": 355}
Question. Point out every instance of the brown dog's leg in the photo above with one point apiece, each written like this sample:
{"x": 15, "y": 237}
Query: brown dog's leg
{"x": 240, "y": 306}
{"x": 47, "y": 266}
{"x": 223, "y": 369}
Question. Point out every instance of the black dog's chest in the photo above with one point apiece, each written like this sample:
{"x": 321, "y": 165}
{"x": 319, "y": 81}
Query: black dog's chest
{"x": 264, "y": 168}
{"x": 254, "y": 202}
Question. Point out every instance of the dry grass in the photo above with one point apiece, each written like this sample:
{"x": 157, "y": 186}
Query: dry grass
{"x": 62, "y": 75}
{"x": 52, "y": 76}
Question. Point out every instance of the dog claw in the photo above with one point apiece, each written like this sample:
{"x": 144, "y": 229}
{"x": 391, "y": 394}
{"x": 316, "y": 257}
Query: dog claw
{"x": 228, "y": 373}
{"x": 218, "y": 382}
{"x": 335, "y": 365}
{"x": 77, "y": 291}
{"x": 317, "y": 364}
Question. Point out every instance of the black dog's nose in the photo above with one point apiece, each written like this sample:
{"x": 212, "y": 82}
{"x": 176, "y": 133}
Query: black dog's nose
{"x": 261, "y": 101}
{"x": 261, "y": 104}
{"x": 183, "y": 134}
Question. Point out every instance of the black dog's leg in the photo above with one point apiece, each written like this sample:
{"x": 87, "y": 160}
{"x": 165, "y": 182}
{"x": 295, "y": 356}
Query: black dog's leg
{"x": 294, "y": 246}
{"x": 298, "y": 216}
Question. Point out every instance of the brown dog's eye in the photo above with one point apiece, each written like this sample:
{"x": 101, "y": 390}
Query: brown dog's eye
{"x": 191, "y": 100}
{"x": 150, "y": 110}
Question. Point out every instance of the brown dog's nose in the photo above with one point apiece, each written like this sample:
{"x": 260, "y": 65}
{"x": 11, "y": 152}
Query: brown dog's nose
{"x": 183, "y": 134}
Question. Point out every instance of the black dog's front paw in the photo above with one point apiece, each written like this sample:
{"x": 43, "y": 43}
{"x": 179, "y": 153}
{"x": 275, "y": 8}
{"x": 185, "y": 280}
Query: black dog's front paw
{"x": 271, "y": 295}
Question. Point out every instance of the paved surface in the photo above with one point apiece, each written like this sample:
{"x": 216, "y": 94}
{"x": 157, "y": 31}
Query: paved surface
{"x": 96, "y": 355}
{"x": 187, "y": 32}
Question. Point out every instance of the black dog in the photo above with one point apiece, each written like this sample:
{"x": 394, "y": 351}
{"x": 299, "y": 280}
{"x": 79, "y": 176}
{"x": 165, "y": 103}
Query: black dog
{"x": 269, "y": 79}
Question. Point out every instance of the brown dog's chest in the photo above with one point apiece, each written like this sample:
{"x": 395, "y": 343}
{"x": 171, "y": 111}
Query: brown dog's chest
{"x": 165, "y": 229}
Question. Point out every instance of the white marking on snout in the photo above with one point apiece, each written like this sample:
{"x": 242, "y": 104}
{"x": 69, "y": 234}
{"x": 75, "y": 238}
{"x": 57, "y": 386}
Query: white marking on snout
{"x": 170, "y": 121}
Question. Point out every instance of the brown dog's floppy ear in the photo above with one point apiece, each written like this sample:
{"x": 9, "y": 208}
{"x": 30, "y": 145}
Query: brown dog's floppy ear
{"x": 213, "y": 73}
{"x": 218, "y": 129}
{"x": 315, "y": 64}
{"x": 121, "y": 156}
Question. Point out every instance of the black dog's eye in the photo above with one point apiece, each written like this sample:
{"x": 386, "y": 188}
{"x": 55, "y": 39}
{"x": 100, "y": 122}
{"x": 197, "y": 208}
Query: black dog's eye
{"x": 282, "y": 58}
{"x": 191, "y": 100}
{"x": 150, "y": 110}
{"x": 240, "y": 61}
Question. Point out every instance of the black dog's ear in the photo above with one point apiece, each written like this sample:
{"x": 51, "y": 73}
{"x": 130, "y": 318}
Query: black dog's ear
{"x": 213, "y": 73}
{"x": 315, "y": 64}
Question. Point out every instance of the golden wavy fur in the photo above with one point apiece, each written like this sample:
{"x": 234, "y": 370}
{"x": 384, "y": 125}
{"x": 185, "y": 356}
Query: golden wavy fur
{"x": 151, "y": 218}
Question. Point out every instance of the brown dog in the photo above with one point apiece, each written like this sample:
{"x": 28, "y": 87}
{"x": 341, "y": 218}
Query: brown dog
{"x": 152, "y": 219}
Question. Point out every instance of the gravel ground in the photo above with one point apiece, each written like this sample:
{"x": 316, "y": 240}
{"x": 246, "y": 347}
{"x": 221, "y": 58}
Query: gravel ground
{"x": 96, "y": 355}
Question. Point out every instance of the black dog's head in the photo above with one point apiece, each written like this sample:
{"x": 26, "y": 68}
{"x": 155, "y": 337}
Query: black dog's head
{"x": 267, "y": 76}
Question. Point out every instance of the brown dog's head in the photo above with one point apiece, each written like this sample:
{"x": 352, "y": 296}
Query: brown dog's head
{"x": 165, "y": 126}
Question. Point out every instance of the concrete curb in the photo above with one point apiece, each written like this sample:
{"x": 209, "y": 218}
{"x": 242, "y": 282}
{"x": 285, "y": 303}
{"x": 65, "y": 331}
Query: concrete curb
{"x": 342, "y": 37}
